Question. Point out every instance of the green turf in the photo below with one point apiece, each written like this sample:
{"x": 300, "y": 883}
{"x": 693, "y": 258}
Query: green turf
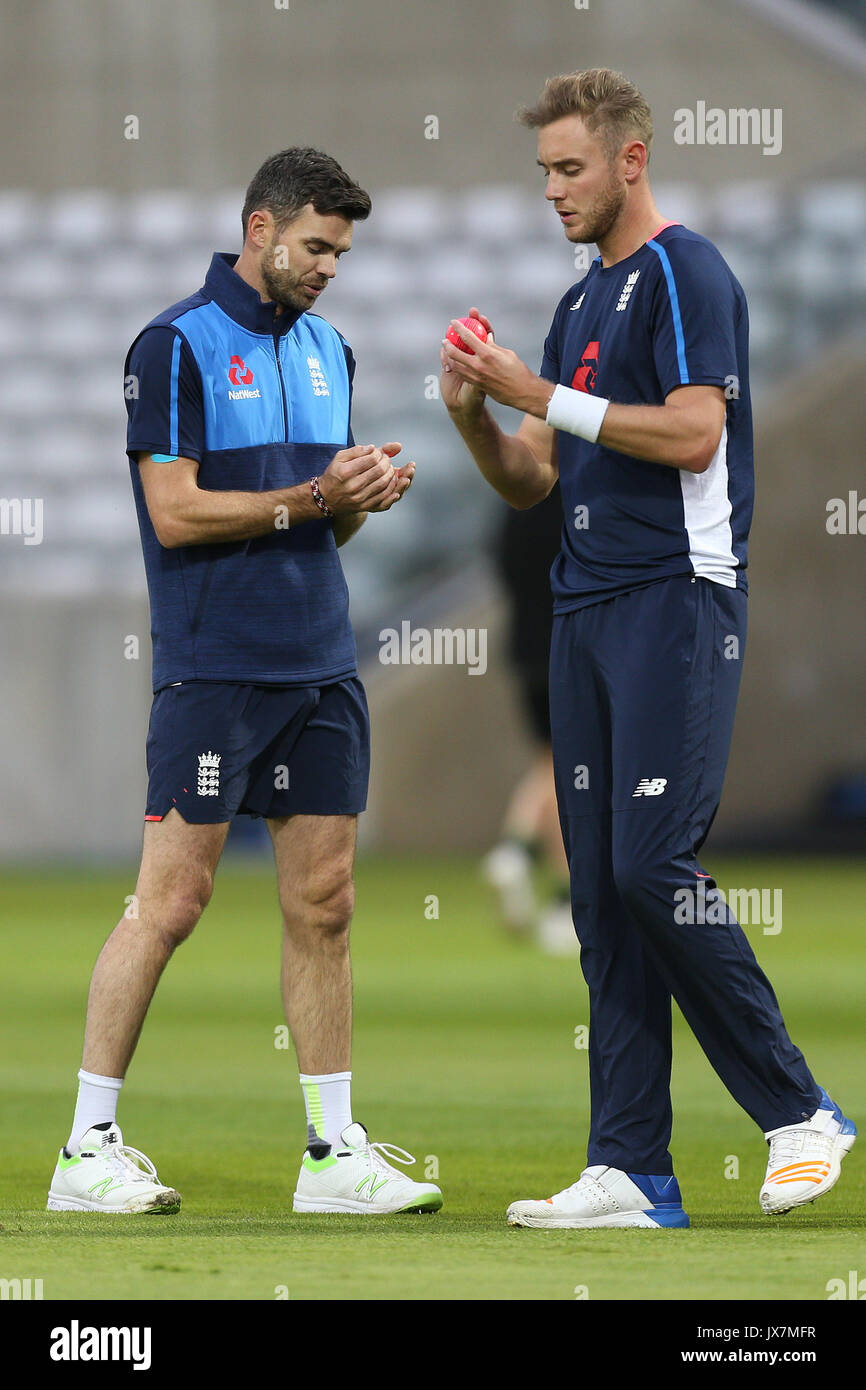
{"x": 464, "y": 1055}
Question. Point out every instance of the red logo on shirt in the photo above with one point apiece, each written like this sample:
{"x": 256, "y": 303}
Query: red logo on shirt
{"x": 239, "y": 372}
{"x": 585, "y": 377}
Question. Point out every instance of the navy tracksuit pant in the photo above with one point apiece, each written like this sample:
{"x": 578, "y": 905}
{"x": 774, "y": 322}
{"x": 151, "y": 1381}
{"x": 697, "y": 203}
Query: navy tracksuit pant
{"x": 643, "y": 690}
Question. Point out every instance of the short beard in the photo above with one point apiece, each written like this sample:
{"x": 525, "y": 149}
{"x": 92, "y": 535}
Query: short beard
{"x": 281, "y": 288}
{"x": 603, "y": 216}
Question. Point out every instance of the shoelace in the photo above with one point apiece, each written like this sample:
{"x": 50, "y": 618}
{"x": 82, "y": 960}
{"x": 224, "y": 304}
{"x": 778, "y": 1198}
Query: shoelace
{"x": 586, "y": 1185}
{"x": 380, "y": 1153}
{"x": 132, "y": 1163}
{"x": 787, "y": 1148}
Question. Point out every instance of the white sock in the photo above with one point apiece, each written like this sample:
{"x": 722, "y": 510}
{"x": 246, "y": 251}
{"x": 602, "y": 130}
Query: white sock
{"x": 328, "y": 1102}
{"x": 96, "y": 1105}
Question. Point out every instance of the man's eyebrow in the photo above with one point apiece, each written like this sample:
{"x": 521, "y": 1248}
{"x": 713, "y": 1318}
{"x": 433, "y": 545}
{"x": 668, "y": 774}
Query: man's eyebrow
{"x": 331, "y": 245}
{"x": 559, "y": 163}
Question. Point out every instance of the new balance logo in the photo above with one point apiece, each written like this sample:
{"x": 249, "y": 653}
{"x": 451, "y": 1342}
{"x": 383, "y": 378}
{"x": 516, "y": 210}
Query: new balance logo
{"x": 650, "y": 786}
{"x": 577, "y": 303}
{"x": 374, "y": 1185}
{"x": 100, "y": 1190}
{"x": 626, "y": 291}
{"x": 209, "y": 774}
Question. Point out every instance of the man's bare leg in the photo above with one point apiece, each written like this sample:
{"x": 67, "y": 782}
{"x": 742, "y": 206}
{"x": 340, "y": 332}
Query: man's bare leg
{"x": 315, "y": 860}
{"x": 174, "y": 886}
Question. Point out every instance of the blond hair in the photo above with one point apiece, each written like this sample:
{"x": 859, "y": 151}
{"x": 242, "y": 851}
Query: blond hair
{"x": 607, "y": 102}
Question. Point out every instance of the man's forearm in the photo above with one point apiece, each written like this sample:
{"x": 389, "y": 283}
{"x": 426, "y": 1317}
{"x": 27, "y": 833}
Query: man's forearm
{"x": 680, "y": 434}
{"x": 666, "y": 434}
{"x": 207, "y": 518}
{"x": 346, "y": 526}
{"x": 504, "y": 460}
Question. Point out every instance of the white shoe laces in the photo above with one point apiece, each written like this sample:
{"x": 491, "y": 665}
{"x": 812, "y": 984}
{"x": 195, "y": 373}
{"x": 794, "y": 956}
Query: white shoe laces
{"x": 801, "y": 1144}
{"x": 130, "y": 1163}
{"x": 379, "y": 1154}
{"x": 784, "y": 1148}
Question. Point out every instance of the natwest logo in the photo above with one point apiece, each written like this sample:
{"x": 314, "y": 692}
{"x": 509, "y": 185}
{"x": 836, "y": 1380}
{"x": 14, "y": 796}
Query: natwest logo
{"x": 241, "y": 376}
{"x": 239, "y": 372}
{"x": 585, "y": 377}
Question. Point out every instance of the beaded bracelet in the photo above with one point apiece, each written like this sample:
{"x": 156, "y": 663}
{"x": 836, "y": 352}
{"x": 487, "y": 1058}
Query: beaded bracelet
{"x": 319, "y": 499}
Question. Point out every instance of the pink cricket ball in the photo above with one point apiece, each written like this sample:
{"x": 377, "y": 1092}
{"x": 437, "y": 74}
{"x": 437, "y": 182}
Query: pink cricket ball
{"x": 475, "y": 326}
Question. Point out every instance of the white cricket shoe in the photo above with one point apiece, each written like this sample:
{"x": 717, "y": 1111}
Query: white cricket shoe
{"x": 106, "y": 1175}
{"x": 508, "y": 869}
{"x": 606, "y": 1197}
{"x": 357, "y": 1178}
{"x": 806, "y": 1159}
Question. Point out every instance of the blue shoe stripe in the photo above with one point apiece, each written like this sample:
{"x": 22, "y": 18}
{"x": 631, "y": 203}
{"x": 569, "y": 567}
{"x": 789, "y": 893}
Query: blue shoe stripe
{"x": 827, "y": 1103}
{"x": 661, "y": 1191}
{"x": 673, "y": 1217}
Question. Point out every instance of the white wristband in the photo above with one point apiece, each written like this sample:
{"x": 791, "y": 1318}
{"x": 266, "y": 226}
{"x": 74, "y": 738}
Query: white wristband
{"x": 576, "y": 412}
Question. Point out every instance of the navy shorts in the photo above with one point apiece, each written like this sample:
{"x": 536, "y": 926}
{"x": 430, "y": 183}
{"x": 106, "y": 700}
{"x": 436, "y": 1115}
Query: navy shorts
{"x": 219, "y": 749}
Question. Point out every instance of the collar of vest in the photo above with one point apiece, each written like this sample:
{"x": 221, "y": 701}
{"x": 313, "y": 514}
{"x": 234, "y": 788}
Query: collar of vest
{"x": 241, "y": 302}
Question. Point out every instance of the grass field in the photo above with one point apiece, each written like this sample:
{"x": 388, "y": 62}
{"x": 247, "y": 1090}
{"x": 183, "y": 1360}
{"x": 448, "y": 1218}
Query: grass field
{"x": 464, "y": 1055}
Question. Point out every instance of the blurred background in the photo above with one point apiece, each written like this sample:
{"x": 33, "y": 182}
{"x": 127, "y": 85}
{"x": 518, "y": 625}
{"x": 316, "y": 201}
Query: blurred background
{"x": 131, "y": 131}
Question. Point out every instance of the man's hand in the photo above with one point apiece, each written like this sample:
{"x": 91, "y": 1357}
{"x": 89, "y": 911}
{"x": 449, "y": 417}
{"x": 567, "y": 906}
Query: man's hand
{"x": 489, "y": 370}
{"x": 460, "y": 396}
{"x": 363, "y": 479}
{"x": 402, "y": 478}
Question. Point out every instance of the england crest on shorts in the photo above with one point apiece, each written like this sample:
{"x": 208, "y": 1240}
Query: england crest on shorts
{"x": 209, "y": 774}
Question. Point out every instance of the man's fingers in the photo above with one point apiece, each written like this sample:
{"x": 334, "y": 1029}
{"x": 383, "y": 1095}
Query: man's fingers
{"x": 455, "y": 358}
{"x": 482, "y": 318}
{"x": 461, "y": 363}
{"x": 369, "y": 460}
{"x": 373, "y": 489}
{"x": 467, "y": 336}
{"x": 392, "y": 449}
{"x": 356, "y": 451}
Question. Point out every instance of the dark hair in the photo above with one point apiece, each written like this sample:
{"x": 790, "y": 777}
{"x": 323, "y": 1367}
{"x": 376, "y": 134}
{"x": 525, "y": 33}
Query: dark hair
{"x": 288, "y": 181}
{"x": 609, "y": 104}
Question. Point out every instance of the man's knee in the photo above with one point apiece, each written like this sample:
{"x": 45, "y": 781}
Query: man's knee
{"x": 641, "y": 884}
{"x": 177, "y": 909}
{"x": 324, "y": 905}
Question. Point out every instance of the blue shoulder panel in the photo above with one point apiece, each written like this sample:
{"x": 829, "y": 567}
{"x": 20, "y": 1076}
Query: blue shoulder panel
{"x": 675, "y": 309}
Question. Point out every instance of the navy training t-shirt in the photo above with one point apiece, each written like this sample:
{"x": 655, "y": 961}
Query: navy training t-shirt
{"x": 672, "y": 314}
{"x": 262, "y": 402}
